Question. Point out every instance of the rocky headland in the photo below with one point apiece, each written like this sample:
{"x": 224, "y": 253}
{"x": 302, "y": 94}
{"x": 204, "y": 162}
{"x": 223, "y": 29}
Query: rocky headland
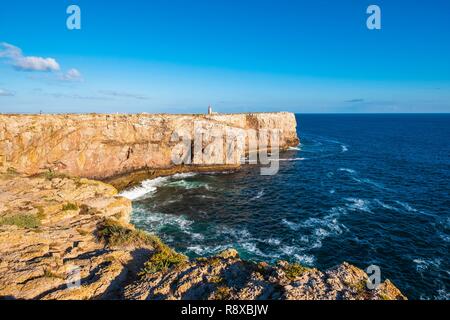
{"x": 66, "y": 235}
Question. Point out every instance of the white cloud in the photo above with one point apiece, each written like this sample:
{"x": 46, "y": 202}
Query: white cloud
{"x": 10, "y": 51}
{"x": 36, "y": 64}
{"x": 26, "y": 63}
{"x": 72, "y": 75}
{"x": 6, "y": 93}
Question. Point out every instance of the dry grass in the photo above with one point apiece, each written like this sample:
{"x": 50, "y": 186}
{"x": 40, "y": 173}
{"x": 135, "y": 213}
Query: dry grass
{"x": 27, "y": 221}
{"x": 70, "y": 207}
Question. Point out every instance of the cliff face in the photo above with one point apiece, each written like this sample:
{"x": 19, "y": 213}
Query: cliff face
{"x": 103, "y": 146}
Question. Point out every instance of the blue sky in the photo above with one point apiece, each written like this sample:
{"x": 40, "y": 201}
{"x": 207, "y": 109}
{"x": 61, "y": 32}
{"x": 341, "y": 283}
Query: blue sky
{"x": 238, "y": 55}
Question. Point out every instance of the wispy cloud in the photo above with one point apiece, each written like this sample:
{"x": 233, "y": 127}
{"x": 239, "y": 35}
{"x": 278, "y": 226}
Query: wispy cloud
{"x": 78, "y": 96}
{"x": 72, "y": 75}
{"x": 119, "y": 94}
{"x": 27, "y": 63}
{"x": 355, "y": 100}
{"x": 6, "y": 93}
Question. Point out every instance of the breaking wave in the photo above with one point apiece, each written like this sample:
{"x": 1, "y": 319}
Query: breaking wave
{"x": 146, "y": 188}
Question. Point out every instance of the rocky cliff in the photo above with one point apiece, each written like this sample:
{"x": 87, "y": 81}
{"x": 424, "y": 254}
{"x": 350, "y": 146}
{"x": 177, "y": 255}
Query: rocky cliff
{"x": 105, "y": 146}
{"x": 63, "y": 236}
{"x": 70, "y": 238}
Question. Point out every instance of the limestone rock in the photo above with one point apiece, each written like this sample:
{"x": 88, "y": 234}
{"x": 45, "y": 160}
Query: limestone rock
{"x": 231, "y": 278}
{"x": 47, "y": 231}
{"x": 69, "y": 238}
{"x": 104, "y": 146}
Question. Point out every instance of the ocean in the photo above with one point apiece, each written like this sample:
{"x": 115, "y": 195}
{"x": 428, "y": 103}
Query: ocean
{"x": 366, "y": 189}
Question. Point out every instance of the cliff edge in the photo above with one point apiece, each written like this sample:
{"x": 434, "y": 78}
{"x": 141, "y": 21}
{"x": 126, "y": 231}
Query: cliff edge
{"x": 106, "y": 146}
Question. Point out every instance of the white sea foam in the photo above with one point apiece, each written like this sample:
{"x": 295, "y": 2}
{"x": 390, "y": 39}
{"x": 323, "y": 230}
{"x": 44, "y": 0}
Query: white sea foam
{"x": 291, "y": 225}
{"x": 424, "y": 264}
{"x": 351, "y": 171}
{"x": 406, "y": 206}
{"x": 305, "y": 259}
{"x": 158, "y": 220}
{"x": 197, "y": 249}
{"x": 442, "y": 294}
{"x": 321, "y": 233}
{"x": 295, "y": 148}
{"x": 252, "y": 248}
{"x": 207, "y": 250}
{"x": 146, "y": 188}
{"x": 234, "y": 233}
{"x": 272, "y": 241}
{"x": 358, "y": 204}
{"x": 296, "y": 253}
{"x": 259, "y": 195}
{"x": 188, "y": 184}
{"x": 319, "y": 228}
{"x": 344, "y": 148}
{"x": 368, "y": 181}
{"x": 196, "y": 236}
{"x": 183, "y": 175}
{"x": 204, "y": 196}
{"x": 386, "y": 206}
{"x": 444, "y": 237}
{"x": 288, "y": 250}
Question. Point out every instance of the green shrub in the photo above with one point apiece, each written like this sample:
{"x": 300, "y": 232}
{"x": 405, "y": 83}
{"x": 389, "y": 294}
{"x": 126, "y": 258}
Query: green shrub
{"x": 294, "y": 270}
{"x": 114, "y": 234}
{"x": 70, "y": 207}
{"x": 27, "y": 221}
{"x": 163, "y": 260}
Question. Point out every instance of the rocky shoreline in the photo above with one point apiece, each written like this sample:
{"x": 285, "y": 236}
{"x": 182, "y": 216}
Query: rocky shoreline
{"x": 70, "y": 238}
{"x": 65, "y": 236}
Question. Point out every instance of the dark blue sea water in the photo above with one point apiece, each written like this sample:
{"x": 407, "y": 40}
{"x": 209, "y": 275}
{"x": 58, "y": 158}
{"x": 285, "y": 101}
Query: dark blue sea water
{"x": 367, "y": 189}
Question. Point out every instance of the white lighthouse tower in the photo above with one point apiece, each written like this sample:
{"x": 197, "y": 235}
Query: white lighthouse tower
{"x": 210, "y": 111}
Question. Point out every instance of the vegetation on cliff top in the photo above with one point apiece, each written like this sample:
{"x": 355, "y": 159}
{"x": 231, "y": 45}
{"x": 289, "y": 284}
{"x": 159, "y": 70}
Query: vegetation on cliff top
{"x": 70, "y": 207}
{"x": 114, "y": 234}
{"x": 294, "y": 270}
{"x": 163, "y": 260}
{"x": 28, "y": 221}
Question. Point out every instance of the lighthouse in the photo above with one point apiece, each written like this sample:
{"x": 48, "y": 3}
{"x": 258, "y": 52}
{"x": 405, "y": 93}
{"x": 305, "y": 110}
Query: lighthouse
{"x": 210, "y": 111}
